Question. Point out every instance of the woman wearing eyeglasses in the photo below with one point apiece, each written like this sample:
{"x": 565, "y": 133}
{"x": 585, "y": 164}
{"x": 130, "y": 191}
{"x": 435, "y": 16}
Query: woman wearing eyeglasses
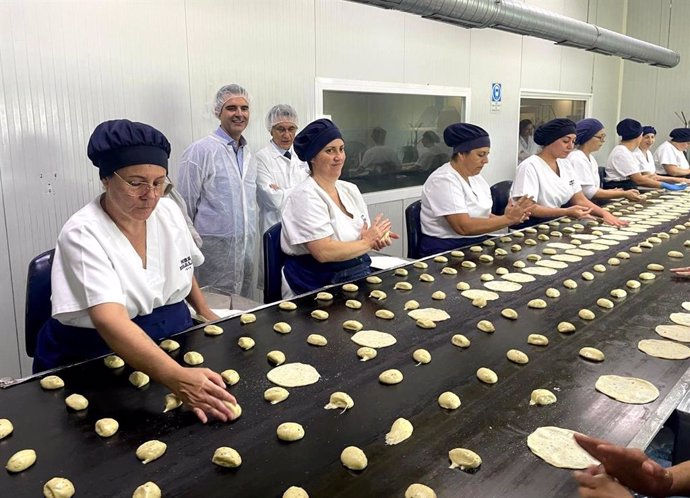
{"x": 590, "y": 136}
{"x": 123, "y": 268}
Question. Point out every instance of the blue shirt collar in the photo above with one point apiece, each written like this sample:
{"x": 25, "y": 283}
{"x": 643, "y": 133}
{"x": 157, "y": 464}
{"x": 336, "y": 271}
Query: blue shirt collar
{"x": 220, "y": 132}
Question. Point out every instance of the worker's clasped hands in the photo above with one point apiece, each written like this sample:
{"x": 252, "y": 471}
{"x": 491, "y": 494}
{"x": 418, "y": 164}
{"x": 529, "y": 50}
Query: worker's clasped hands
{"x": 519, "y": 209}
{"x": 379, "y": 234}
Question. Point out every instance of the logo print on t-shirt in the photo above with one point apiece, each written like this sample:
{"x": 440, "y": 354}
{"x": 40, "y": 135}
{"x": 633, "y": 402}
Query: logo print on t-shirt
{"x": 185, "y": 263}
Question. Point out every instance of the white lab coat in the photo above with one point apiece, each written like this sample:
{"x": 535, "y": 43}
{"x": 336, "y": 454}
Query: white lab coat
{"x": 586, "y": 172}
{"x": 222, "y": 203}
{"x": 646, "y": 160}
{"x": 535, "y": 178}
{"x": 667, "y": 153}
{"x": 621, "y": 164}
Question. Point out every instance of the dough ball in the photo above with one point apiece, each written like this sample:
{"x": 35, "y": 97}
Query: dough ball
{"x": 366, "y": 353}
{"x": 449, "y": 401}
{"x": 604, "y": 303}
{"x": 592, "y": 354}
{"x": 542, "y": 397}
{"x": 276, "y": 357}
{"x": 226, "y": 457}
{"x": 421, "y": 265}
{"x": 171, "y": 402}
{"x": 635, "y": 249}
{"x": 586, "y": 275}
{"x": 535, "y": 257}
{"x": 655, "y": 267}
{"x": 457, "y": 254}
{"x": 148, "y": 490}
{"x": 390, "y": 377}
{"x": 486, "y": 326}
{"x": 464, "y": 459}
{"x": 411, "y": 305}
{"x": 352, "y": 325}
{"x": 425, "y": 277}
{"x": 21, "y": 461}
{"x": 460, "y": 341}
{"x": 570, "y": 284}
{"x": 353, "y": 458}
{"x": 646, "y": 276}
{"x": 438, "y": 296}
{"x": 193, "y": 358}
{"x": 275, "y": 395}
{"x": 487, "y": 277}
{"x": 476, "y": 249}
{"x": 468, "y": 265}
{"x": 536, "y": 304}
{"x": 614, "y": 261}
{"x": 447, "y": 270}
{"x": 487, "y": 376}
{"x": 246, "y": 318}
{"x": 113, "y": 361}
{"x": 245, "y": 343}
{"x": 377, "y": 294}
{"x": 339, "y": 401}
{"x": 6, "y": 428}
{"x": 230, "y": 376}
{"x": 213, "y": 330}
{"x": 519, "y": 264}
{"x": 485, "y": 258}
{"x": 418, "y": 490}
{"x": 401, "y": 272}
{"x": 440, "y": 259}
{"x": 632, "y": 284}
{"x": 107, "y": 427}
{"x": 509, "y": 313}
{"x": 77, "y": 402}
{"x": 516, "y": 247}
{"x": 537, "y": 340}
{"x": 324, "y": 296}
{"x": 353, "y": 304}
{"x": 618, "y": 293}
{"x": 139, "y": 379}
{"x": 402, "y": 286}
{"x": 58, "y": 487}
{"x": 426, "y": 323}
{"x": 530, "y": 242}
{"x": 235, "y": 410}
{"x": 290, "y": 431}
{"x": 400, "y": 431}
{"x": 623, "y": 255}
{"x": 316, "y": 340}
{"x": 295, "y": 492}
{"x": 319, "y": 315}
{"x": 552, "y": 293}
{"x": 501, "y": 270}
{"x": 421, "y": 356}
{"x": 385, "y": 314}
{"x": 586, "y": 314}
{"x": 287, "y": 306}
{"x": 373, "y": 279}
{"x": 169, "y": 345}
{"x": 52, "y": 382}
{"x": 599, "y": 268}
{"x": 462, "y": 286}
{"x": 151, "y": 450}
{"x": 479, "y": 302}
{"x": 282, "y": 328}
{"x": 517, "y": 356}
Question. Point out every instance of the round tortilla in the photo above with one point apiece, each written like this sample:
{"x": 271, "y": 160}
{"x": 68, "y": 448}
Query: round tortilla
{"x": 557, "y": 446}
{"x": 605, "y": 242}
{"x": 681, "y": 318}
{"x": 676, "y": 332}
{"x": 550, "y": 263}
{"x": 473, "y": 294}
{"x": 568, "y": 258}
{"x": 686, "y": 305}
{"x": 293, "y": 375}
{"x": 615, "y": 236}
{"x": 595, "y": 247}
{"x": 433, "y": 314}
{"x": 584, "y": 236}
{"x": 561, "y": 245}
{"x": 627, "y": 389}
{"x": 373, "y": 339}
{"x": 518, "y": 278}
{"x": 579, "y": 252}
{"x": 667, "y": 350}
{"x": 539, "y": 270}
{"x": 502, "y": 286}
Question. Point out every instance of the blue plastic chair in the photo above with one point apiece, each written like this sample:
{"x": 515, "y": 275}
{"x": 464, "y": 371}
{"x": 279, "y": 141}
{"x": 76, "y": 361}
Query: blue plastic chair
{"x": 413, "y": 224}
{"x": 500, "y": 194}
{"x": 38, "y": 308}
{"x": 274, "y": 259}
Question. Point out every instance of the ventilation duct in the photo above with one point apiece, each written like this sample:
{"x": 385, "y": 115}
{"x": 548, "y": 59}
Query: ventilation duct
{"x": 522, "y": 19}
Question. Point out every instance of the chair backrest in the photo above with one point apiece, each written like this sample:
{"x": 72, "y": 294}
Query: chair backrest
{"x": 274, "y": 259}
{"x": 413, "y": 223}
{"x": 500, "y": 194}
{"x": 37, "y": 310}
{"x": 602, "y": 174}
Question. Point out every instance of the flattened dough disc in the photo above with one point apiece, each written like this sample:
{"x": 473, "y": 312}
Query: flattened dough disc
{"x": 676, "y": 332}
{"x": 660, "y": 348}
{"x": 681, "y": 318}
{"x": 473, "y": 294}
{"x": 293, "y": 375}
{"x": 519, "y": 278}
{"x": 432, "y": 314}
{"x": 627, "y": 389}
{"x": 557, "y": 446}
{"x": 502, "y": 286}
{"x": 373, "y": 339}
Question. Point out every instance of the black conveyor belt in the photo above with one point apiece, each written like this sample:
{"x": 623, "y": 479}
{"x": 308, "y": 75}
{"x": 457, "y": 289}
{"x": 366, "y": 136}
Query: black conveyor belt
{"x": 493, "y": 420}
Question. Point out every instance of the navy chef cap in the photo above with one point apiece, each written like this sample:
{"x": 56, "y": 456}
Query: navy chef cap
{"x": 629, "y": 129}
{"x": 680, "y": 135}
{"x": 314, "y": 137}
{"x": 586, "y": 129}
{"x": 552, "y": 130}
{"x": 646, "y": 130}
{"x": 464, "y": 137}
{"x": 119, "y": 143}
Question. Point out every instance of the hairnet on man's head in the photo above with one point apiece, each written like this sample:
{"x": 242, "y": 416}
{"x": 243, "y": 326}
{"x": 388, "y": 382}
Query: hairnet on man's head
{"x": 227, "y": 92}
{"x": 281, "y": 113}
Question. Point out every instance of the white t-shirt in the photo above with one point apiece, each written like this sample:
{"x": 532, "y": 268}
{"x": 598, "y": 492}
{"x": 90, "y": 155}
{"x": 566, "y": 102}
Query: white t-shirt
{"x": 667, "y": 153}
{"x": 646, "y": 160}
{"x": 95, "y": 263}
{"x": 535, "y": 178}
{"x": 310, "y": 214}
{"x": 445, "y": 192}
{"x": 586, "y": 172}
{"x": 621, "y": 164}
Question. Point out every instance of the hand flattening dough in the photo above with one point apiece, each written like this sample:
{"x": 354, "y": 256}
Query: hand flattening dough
{"x": 148, "y": 490}
{"x": 463, "y": 459}
{"x": 6, "y": 428}
{"x": 52, "y": 382}
{"x": 106, "y": 427}
{"x": 293, "y": 375}
{"x": 58, "y": 487}
{"x": 418, "y": 490}
{"x": 226, "y": 457}
{"x": 400, "y": 431}
{"x": 556, "y": 446}
{"x": 21, "y": 461}
{"x": 151, "y": 450}
{"x": 353, "y": 458}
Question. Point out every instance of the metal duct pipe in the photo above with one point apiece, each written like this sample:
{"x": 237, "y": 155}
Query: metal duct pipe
{"x": 517, "y": 17}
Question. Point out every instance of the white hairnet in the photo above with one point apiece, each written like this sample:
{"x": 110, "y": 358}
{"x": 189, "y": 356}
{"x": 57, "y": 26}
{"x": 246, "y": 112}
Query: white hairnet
{"x": 227, "y": 92}
{"x": 281, "y": 113}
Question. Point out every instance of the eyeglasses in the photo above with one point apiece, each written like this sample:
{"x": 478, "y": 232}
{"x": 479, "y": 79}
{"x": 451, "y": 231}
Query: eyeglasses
{"x": 601, "y": 137}
{"x": 136, "y": 188}
{"x": 281, "y": 129}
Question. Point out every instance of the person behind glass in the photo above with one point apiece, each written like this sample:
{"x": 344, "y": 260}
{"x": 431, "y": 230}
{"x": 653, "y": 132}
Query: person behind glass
{"x": 456, "y": 200}
{"x": 326, "y": 232}
{"x": 434, "y": 155}
{"x": 527, "y": 147}
{"x": 590, "y": 136}
{"x": 380, "y": 158}
{"x": 644, "y": 154}
{"x": 670, "y": 156}
{"x": 550, "y": 179}
{"x": 624, "y": 170}
{"x": 123, "y": 268}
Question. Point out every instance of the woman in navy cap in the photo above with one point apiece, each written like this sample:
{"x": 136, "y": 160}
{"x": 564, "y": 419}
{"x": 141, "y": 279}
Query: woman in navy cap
{"x": 643, "y": 152}
{"x": 550, "y": 178}
{"x": 624, "y": 169}
{"x": 326, "y": 232}
{"x": 123, "y": 268}
{"x": 456, "y": 200}
{"x": 591, "y": 135}
{"x": 670, "y": 155}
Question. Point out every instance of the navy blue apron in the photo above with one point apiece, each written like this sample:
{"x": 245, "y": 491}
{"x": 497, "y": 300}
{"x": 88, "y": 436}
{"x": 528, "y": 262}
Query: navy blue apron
{"x": 429, "y": 245}
{"x": 60, "y": 344}
{"x": 305, "y": 274}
